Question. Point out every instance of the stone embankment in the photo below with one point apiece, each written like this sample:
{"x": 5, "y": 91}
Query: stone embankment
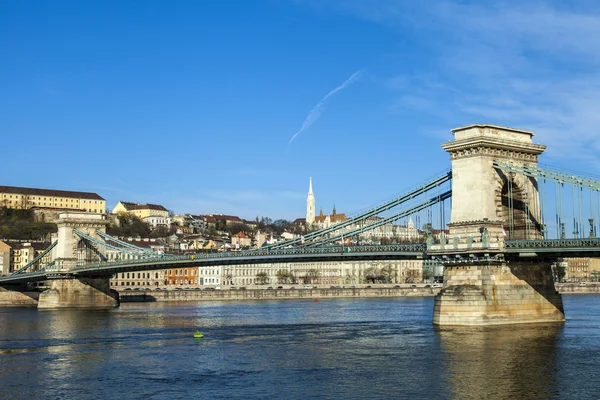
{"x": 30, "y": 299}
{"x": 274, "y": 294}
{"x": 578, "y": 288}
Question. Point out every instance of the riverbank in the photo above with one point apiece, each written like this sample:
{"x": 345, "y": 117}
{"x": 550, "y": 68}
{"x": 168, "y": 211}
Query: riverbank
{"x": 320, "y": 293}
{"x": 29, "y": 299}
{"x": 577, "y": 288}
{"x": 275, "y": 294}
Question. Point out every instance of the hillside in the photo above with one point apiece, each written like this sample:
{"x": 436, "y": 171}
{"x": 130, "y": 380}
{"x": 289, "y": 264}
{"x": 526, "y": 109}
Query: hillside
{"x": 21, "y": 225}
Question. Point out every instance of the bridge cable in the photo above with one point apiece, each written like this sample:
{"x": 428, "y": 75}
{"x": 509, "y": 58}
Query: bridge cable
{"x": 542, "y": 192}
{"x": 398, "y": 201}
{"x": 510, "y": 208}
{"x": 597, "y": 208}
{"x": 526, "y": 208}
{"x": 575, "y": 212}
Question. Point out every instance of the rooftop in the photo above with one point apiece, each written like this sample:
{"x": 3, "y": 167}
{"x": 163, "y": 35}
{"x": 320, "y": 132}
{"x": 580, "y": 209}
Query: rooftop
{"x": 49, "y": 192}
{"x": 497, "y": 127}
{"x": 137, "y": 206}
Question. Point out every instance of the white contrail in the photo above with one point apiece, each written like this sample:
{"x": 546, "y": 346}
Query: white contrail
{"x": 314, "y": 114}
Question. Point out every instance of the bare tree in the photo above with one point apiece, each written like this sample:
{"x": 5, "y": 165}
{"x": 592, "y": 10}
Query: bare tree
{"x": 312, "y": 275}
{"x": 262, "y": 278}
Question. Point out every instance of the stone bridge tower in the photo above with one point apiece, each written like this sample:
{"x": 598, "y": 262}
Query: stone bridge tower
{"x": 481, "y": 287}
{"x": 89, "y": 292}
{"x": 71, "y": 249}
{"x": 481, "y": 194}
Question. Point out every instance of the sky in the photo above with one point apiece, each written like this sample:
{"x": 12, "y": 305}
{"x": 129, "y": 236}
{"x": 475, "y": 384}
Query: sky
{"x": 230, "y": 106}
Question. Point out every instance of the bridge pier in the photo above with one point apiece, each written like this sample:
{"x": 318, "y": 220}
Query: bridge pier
{"x": 488, "y": 206}
{"x": 88, "y": 293}
{"x": 17, "y": 296}
{"x": 506, "y": 293}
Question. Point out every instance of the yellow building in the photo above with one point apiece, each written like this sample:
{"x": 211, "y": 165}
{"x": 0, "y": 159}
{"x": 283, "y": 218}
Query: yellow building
{"x": 22, "y": 253}
{"x": 4, "y": 258}
{"x": 26, "y": 198}
{"x": 582, "y": 269}
{"x": 594, "y": 269}
{"x": 141, "y": 210}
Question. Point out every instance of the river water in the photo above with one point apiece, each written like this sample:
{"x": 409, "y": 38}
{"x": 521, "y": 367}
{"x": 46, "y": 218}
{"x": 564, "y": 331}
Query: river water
{"x": 331, "y": 349}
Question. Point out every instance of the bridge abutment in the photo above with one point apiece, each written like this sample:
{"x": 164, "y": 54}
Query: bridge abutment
{"x": 498, "y": 294}
{"x": 89, "y": 293}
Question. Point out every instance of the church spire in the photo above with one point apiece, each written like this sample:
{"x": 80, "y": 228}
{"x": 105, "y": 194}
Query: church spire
{"x": 310, "y": 204}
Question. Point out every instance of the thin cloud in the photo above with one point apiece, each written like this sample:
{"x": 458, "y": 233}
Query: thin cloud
{"x": 531, "y": 65}
{"x": 315, "y": 113}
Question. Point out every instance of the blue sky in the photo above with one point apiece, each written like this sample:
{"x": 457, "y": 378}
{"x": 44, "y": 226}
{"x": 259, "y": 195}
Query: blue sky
{"x": 192, "y": 104}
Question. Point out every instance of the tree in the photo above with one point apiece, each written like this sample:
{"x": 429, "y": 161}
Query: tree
{"x": 427, "y": 273}
{"x": 262, "y": 278}
{"x": 237, "y": 227}
{"x": 293, "y": 278}
{"x": 221, "y": 225}
{"x": 282, "y": 276}
{"x": 297, "y": 229}
{"x": 374, "y": 275}
{"x": 280, "y": 226}
{"x": 388, "y": 274}
{"x": 21, "y": 224}
{"x": 129, "y": 225}
{"x": 559, "y": 272}
{"x": 312, "y": 275}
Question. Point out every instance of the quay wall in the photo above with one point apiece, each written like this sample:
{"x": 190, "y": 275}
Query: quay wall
{"x": 286, "y": 294}
{"x": 30, "y": 299}
{"x": 273, "y": 294}
{"x": 575, "y": 288}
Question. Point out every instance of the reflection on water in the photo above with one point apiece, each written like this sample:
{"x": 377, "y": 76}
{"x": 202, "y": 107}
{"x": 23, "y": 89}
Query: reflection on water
{"x": 501, "y": 361}
{"x": 333, "y": 349}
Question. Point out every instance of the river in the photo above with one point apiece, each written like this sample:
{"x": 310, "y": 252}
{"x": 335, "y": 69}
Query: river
{"x": 331, "y": 349}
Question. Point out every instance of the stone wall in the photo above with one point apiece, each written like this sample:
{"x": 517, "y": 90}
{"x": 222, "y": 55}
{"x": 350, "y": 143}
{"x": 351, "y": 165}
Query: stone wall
{"x": 498, "y": 294}
{"x": 18, "y": 299}
{"x": 575, "y": 288}
{"x": 92, "y": 293}
{"x": 274, "y": 294}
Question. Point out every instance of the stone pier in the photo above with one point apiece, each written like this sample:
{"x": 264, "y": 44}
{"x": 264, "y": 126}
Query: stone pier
{"x": 18, "y": 297}
{"x": 507, "y": 293}
{"x": 88, "y": 293}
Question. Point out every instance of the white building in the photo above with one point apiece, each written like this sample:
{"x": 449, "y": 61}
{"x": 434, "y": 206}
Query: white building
{"x": 210, "y": 276}
{"x": 157, "y": 220}
{"x": 324, "y": 273}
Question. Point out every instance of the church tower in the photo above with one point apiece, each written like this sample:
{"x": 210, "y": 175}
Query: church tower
{"x": 310, "y": 205}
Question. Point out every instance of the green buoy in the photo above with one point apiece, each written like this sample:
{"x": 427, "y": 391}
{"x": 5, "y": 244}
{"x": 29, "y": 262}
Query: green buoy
{"x": 198, "y": 335}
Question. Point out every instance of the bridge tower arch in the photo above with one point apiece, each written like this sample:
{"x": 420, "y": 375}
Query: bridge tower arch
{"x": 69, "y": 247}
{"x": 489, "y": 207}
{"x": 483, "y": 196}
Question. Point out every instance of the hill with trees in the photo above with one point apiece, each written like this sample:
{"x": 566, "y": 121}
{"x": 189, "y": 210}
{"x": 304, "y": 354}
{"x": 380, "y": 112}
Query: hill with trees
{"x": 21, "y": 225}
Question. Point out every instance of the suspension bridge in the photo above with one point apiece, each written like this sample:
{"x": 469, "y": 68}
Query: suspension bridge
{"x": 497, "y": 221}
